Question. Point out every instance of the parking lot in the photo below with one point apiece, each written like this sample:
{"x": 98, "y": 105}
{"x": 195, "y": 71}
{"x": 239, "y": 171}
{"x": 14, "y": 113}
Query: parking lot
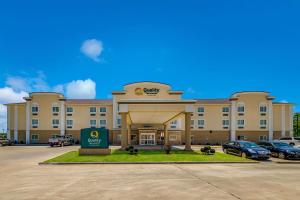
{"x": 22, "y": 178}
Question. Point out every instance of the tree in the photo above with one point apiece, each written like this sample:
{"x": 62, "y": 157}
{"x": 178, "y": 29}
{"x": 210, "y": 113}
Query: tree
{"x": 297, "y": 124}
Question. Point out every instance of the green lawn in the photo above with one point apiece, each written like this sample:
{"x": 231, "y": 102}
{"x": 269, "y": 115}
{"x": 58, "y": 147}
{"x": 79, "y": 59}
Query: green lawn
{"x": 148, "y": 156}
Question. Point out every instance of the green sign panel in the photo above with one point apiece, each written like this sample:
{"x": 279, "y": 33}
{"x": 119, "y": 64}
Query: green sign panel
{"x": 94, "y": 138}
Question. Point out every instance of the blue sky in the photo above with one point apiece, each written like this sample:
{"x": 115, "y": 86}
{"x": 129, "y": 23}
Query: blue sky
{"x": 209, "y": 49}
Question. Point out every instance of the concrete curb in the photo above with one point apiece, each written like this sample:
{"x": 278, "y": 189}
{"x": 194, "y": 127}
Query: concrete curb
{"x": 287, "y": 162}
{"x": 134, "y": 163}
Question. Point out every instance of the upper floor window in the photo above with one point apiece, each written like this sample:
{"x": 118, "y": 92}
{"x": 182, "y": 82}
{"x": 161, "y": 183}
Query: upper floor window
{"x": 173, "y": 124}
{"x": 34, "y": 108}
{"x": 103, "y": 109}
{"x": 55, "y": 123}
{"x": 35, "y": 123}
{"x": 93, "y": 123}
{"x": 225, "y": 109}
{"x": 93, "y": 109}
{"x": 263, "y": 123}
{"x": 201, "y": 123}
{"x": 200, "y": 109}
{"x": 240, "y": 108}
{"x": 192, "y": 122}
{"x": 225, "y": 123}
{"x": 69, "y": 109}
{"x": 102, "y": 122}
{"x": 241, "y": 123}
{"x": 69, "y": 123}
{"x": 55, "y": 109}
{"x": 263, "y": 108}
{"x": 119, "y": 121}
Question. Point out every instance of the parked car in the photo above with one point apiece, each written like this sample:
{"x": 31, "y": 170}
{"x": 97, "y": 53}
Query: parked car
{"x": 294, "y": 141}
{"x": 281, "y": 150}
{"x": 4, "y": 141}
{"x": 58, "y": 140}
{"x": 246, "y": 149}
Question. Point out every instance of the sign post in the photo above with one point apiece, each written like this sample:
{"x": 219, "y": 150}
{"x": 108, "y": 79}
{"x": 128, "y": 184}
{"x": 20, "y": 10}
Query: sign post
{"x": 94, "y": 141}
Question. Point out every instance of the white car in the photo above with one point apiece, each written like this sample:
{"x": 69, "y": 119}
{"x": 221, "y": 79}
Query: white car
{"x": 294, "y": 141}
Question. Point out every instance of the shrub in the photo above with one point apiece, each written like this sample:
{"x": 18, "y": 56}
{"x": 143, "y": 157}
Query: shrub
{"x": 207, "y": 150}
{"x": 132, "y": 150}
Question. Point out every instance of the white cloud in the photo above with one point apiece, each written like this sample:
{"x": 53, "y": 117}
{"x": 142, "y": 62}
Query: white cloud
{"x": 17, "y": 87}
{"x": 283, "y": 101}
{"x": 92, "y": 48}
{"x": 81, "y": 89}
{"x": 8, "y": 95}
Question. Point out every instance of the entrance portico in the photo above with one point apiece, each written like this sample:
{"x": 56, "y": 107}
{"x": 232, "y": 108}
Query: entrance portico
{"x": 151, "y": 115}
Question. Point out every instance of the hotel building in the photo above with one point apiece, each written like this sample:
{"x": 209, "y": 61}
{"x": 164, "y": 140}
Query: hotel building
{"x": 149, "y": 113}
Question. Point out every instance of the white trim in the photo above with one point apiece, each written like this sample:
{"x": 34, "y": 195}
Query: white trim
{"x": 28, "y": 122}
{"x": 233, "y": 121}
{"x": 237, "y": 123}
{"x": 8, "y": 123}
{"x": 283, "y": 121}
{"x": 62, "y": 118}
{"x": 55, "y": 105}
{"x": 55, "y": 124}
{"x": 263, "y": 126}
{"x": 35, "y": 105}
{"x": 225, "y": 126}
{"x": 152, "y": 134}
{"x": 263, "y": 104}
{"x": 198, "y": 125}
{"x": 271, "y": 128}
{"x": 16, "y": 135}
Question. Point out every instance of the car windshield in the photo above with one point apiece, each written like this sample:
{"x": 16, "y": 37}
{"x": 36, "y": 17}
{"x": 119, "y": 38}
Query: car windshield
{"x": 281, "y": 144}
{"x": 248, "y": 144}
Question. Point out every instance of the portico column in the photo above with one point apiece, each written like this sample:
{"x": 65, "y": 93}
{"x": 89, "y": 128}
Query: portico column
{"x": 282, "y": 121}
{"x": 166, "y": 135}
{"x": 129, "y": 134}
{"x": 270, "y": 121}
{"x": 188, "y": 131}
{"x": 27, "y": 122}
{"x": 124, "y": 139}
{"x": 8, "y": 123}
{"x": 16, "y": 135}
{"x": 62, "y": 117}
{"x": 233, "y": 121}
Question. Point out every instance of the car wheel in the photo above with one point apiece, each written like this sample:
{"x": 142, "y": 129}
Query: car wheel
{"x": 281, "y": 156}
{"x": 292, "y": 144}
{"x": 225, "y": 151}
{"x": 244, "y": 155}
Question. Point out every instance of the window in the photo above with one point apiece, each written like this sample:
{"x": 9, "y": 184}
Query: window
{"x": 263, "y": 138}
{"x": 35, "y": 123}
{"x": 200, "y": 109}
{"x": 92, "y": 109}
{"x": 93, "y": 123}
{"x": 225, "y": 123}
{"x": 201, "y": 123}
{"x": 192, "y": 122}
{"x": 241, "y": 123}
{"x": 225, "y": 109}
{"x": 173, "y": 137}
{"x": 263, "y": 109}
{"x": 34, "y": 109}
{"x": 173, "y": 124}
{"x": 35, "y": 137}
{"x": 103, "y": 109}
{"x": 263, "y": 123}
{"x": 69, "y": 123}
{"x": 241, "y": 137}
{"x": 69, "y": 109}
{"x": 240, "y": 109}
{"x": 55, "y": 123}
{"x": 119, "y": 137}
{"x": 55, "y": 109}
{"x": 102, "y": 123}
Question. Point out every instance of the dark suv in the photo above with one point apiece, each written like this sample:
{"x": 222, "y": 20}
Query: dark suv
{"x": 281, "y": 150}
{"x": 246, "y": 149}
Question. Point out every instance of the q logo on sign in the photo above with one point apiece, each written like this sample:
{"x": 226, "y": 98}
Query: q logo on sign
{"x": 138, "y": 91}
{"x": 94, "y": 134}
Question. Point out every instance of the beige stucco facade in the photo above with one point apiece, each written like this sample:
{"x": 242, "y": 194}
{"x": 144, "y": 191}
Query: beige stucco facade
{"x": 151, "y": 113}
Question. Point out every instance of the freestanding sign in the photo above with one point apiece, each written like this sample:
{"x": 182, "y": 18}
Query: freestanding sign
{"x": 94, "y": 141}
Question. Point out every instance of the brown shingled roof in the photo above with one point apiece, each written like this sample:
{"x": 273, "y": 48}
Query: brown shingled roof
{"x": 89, "y": 101}
{"x": 212, "y": 101}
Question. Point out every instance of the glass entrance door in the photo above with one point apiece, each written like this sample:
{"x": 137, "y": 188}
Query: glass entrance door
{"x": 147, "y": 139}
